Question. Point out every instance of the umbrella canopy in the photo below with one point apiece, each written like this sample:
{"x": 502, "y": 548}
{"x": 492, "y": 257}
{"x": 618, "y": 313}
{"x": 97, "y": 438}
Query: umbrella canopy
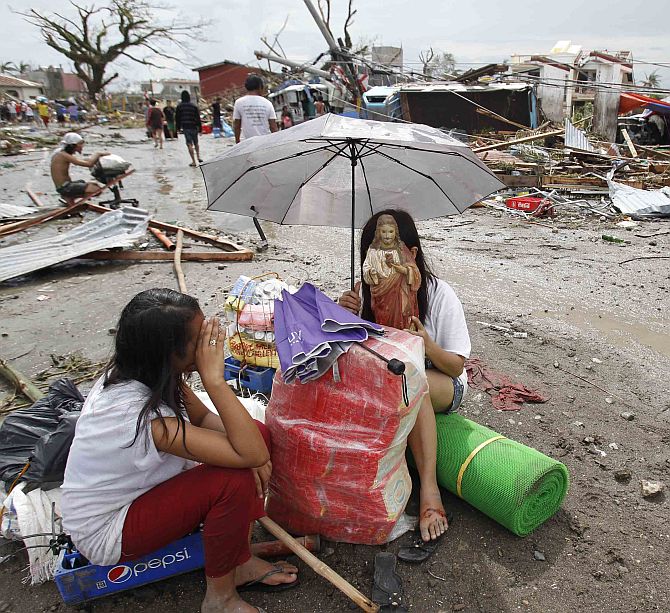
{"x": 304, "y": 175}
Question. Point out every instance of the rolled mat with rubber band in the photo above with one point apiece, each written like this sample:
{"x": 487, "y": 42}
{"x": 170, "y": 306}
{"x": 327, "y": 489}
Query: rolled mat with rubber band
{"x": 517, "y": 486}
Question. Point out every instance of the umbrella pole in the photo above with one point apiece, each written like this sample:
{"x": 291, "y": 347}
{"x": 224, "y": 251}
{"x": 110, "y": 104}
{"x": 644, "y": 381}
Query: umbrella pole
{"x": 354, "y": 161}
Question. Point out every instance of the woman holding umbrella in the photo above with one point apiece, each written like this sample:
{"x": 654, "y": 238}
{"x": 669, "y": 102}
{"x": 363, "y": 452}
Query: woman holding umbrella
{"x": 441, "y": 324}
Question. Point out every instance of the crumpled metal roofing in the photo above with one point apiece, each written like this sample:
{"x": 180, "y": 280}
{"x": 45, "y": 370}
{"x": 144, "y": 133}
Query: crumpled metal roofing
{"x": 119, "y": 228}
{"x": 576, "y": 138}
{"x": 639, "y": 202}
{"x": 13, "y": 210}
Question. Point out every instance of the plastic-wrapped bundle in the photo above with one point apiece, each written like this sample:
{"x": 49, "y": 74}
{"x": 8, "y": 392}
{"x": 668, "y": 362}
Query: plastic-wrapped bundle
{"x": 339, "y": 443}
{"x": 515, "y": 485}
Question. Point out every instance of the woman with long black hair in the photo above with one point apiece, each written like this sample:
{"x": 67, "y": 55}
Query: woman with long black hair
{"x": 441, "y": 324}
{"x": 131, "y": 485}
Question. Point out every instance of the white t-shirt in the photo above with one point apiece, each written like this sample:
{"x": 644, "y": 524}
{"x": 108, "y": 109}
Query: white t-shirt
{"x": 255, "y": 113}
{"x": 104, "y": 475}
{"x": 445, "y": 322}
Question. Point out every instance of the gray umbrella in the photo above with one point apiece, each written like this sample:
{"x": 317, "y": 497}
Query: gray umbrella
{"x": 338, "y": 171}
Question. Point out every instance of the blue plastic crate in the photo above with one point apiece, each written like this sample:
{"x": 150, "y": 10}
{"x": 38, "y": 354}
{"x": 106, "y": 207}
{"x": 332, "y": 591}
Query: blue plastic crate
{"x": 251, "y": 377}
{"x": 88, "y": 581}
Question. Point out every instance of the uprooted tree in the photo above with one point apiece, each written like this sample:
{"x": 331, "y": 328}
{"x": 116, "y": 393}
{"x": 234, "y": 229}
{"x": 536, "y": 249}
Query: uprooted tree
{"x": 97, "y": 36}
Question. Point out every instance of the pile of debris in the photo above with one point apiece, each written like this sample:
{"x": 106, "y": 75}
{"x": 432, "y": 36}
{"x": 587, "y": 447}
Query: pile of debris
{"x": 127, "y": 234}
{"x": 563, "y": 167}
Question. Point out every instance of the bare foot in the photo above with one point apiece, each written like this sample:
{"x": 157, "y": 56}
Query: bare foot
{"x": 432, "y": 520}
{"x": 234, "y": 604}
{"x": 256, "y": 568}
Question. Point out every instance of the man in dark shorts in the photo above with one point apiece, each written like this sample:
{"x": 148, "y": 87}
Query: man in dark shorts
{"x": 61, "y": 160}
{"x": 187, "y": 119}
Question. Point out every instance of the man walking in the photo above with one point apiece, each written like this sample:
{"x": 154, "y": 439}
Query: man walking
{"x": 187, "y": 119}
{"x": 155, "y": 121}
{"x": 216, "y": 114}
{"x": 253, "y": 114}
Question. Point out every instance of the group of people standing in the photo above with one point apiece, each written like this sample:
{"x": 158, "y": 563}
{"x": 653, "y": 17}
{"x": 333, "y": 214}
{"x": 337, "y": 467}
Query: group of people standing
{"x": 40, "y": 112}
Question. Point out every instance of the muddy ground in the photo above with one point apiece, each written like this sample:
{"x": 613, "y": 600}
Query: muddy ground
{"x": 598, "y": 345}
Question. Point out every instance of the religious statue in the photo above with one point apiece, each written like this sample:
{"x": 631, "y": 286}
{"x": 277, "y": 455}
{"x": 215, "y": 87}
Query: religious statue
{"x": 392, "y": 274}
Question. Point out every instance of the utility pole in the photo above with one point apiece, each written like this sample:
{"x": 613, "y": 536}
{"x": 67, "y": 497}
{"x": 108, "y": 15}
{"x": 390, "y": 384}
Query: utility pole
{"x": 297, "y": 65}
{"x": 337, "y": 54}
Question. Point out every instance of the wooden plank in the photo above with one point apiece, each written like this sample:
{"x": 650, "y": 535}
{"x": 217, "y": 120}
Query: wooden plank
{"x": 520, "y": 180}
{"x": 166, "y": 256}
{"x": 564, "y": 182}
{"x": 629, "y": 142}
{"x": 517, "y": 141}
{"x": 18, "y": 226}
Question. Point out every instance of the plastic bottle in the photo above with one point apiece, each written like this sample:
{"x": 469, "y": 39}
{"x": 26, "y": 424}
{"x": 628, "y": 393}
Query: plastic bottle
{"x": 613, "y": 239}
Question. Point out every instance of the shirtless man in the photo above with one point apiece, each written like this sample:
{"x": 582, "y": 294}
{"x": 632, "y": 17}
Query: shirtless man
{"x": 71, "y": 144}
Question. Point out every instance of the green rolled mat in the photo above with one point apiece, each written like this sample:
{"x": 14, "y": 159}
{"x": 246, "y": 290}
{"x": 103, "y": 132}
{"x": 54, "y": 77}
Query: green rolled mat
{"x": 515, "y": 485}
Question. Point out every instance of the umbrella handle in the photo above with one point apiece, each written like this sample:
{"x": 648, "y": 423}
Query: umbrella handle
{"x": 397, "y": 367}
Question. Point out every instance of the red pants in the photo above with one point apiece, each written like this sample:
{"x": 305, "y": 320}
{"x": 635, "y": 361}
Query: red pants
{"x": 224, "y": 499}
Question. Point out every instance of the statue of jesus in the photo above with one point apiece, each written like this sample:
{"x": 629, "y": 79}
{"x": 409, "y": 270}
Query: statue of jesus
{"x": 392, "y": 274}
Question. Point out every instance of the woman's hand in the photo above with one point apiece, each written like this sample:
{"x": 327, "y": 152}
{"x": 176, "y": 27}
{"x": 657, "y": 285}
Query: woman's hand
{"x": 403, "y": 270}
{"x": 262, "y": 477}
{"x": 209, "y": 354}
{"x": 351, "y": 300}
{"x": 421, "y": 331}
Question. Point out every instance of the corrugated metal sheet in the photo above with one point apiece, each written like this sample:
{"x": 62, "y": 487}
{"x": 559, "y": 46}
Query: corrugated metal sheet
{"x": 639, "y": 202}
{"x": 12, "y": 210}
{"x": 576, "y": 138}
{"x": 114, "y": 229}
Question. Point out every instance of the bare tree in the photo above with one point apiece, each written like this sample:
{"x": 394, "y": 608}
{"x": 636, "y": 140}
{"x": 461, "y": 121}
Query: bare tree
{"x": 437, "y": 65}
{"x": 426, "y": 58}
{"x": 96, "y": 37}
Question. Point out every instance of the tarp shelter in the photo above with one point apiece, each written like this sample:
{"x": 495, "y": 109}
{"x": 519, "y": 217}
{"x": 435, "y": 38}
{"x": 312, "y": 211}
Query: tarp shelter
{"x": 454, "y": 105}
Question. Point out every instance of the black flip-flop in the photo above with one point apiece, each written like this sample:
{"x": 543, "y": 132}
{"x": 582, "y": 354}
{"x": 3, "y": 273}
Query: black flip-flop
{"x": 387, "y": 587}
{"x": 257, "y": 585}
{"x": 421, "y": 550}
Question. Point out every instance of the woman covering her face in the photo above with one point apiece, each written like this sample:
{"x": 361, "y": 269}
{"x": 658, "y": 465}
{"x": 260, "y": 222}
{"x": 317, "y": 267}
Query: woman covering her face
{"x": 132, "y": 485}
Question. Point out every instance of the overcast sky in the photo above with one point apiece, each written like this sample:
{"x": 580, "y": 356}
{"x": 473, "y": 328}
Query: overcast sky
{"x": 475, "y": 32}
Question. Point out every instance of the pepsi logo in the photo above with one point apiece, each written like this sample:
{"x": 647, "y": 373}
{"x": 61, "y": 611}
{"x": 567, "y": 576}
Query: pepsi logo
{"x": 120, "y": 574}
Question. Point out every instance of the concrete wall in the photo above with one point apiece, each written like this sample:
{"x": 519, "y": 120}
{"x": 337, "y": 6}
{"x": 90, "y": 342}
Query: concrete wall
{"x": 606, "y": 101}
{"x": 552, "y": 93}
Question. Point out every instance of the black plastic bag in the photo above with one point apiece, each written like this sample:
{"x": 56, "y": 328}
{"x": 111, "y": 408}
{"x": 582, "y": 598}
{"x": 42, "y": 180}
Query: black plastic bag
{"x": 41, "y": 434}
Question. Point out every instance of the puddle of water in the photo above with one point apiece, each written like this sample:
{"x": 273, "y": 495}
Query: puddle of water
{"x": 616, "y": 330}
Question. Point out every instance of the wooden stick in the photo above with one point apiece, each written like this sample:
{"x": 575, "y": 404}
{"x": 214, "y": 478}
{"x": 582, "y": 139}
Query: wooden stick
{"x": 167, "y": 243}
{"x": 177, "y": 263}
{"x": 266, "y": 549}
{"x": 517, "y": 141}
{"x": 319, "y": 567}
{"x": 489, "y": 113}
{"x": 22, "y": 383}
{"x": 130, "y": 255}
{"x": 33, "y": 196}
{"x": 629, "y": 142}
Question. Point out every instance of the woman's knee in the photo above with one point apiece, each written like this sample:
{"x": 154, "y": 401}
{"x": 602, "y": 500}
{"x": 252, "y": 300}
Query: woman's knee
{"x": 230, "y": 483}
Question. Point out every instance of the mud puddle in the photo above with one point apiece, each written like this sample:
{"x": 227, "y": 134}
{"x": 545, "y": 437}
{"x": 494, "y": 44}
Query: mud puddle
{"x": 617, "y": 331}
